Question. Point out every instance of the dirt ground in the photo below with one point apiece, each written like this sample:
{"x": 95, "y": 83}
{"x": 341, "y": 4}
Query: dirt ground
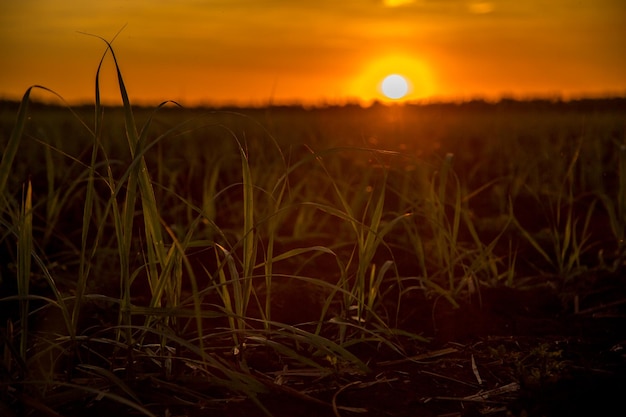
{"x": 513, "y": 353}
{"x": 521, "y": 353}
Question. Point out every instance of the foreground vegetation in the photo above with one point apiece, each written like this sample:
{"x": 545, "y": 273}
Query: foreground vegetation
{"x": 198, "y": 252}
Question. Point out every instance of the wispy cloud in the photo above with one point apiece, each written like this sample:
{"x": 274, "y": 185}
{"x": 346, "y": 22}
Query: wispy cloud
{"x": 481, "y": 7}
{"x": 397, "y": 3}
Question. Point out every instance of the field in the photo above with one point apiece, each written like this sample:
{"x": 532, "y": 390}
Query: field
{"x": 442, "y": 259}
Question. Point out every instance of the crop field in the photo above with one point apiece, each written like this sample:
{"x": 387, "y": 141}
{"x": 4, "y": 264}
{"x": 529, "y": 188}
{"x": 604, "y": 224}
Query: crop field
{"x": 440, "y": 259}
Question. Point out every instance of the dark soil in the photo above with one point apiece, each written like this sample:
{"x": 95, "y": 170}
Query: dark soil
{"x": 520, "y": 353}
{"x": 509, "y": 353}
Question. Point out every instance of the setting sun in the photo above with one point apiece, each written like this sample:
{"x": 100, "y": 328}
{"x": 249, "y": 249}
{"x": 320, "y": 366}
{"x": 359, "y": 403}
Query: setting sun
{"x": 394, "y": 86}
{"x": 394, "y": 77}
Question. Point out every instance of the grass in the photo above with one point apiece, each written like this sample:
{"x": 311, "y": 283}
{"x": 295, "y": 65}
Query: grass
{"x": 185, "y": 247}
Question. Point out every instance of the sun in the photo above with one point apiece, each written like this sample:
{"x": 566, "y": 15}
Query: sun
{"x": 394, "y": 86}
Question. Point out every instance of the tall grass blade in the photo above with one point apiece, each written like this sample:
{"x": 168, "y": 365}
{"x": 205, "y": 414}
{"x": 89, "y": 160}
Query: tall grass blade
{"x": 8, "y": 155}
{"x": 90, "y": 195}
{"x": 24, "y": 251}
{"x": 249, "y": 237}
{"x": 621, "y": 197}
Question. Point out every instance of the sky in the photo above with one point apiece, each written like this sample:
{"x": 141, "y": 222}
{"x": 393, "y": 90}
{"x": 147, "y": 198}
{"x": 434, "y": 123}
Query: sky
{"x": 259, "y": 52}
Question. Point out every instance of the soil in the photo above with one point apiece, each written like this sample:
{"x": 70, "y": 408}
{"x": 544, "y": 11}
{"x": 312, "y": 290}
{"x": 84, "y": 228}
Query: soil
{"x": 506, "y": 353}
{"x": 518, "y": 353}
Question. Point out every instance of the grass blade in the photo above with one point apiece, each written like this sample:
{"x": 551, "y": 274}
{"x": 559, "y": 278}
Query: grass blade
{"x": 24, "y": 250}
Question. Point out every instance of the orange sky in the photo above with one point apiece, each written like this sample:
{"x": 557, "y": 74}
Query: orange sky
{"x": 315, "y": 51}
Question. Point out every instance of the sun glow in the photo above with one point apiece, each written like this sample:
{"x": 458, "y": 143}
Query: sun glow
{"x": 393, "y": 78}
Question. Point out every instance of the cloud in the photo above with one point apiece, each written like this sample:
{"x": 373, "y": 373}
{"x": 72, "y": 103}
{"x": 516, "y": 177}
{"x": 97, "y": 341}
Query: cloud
{"x": 480, "y": 7}
{"x": 397, "y": 3}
